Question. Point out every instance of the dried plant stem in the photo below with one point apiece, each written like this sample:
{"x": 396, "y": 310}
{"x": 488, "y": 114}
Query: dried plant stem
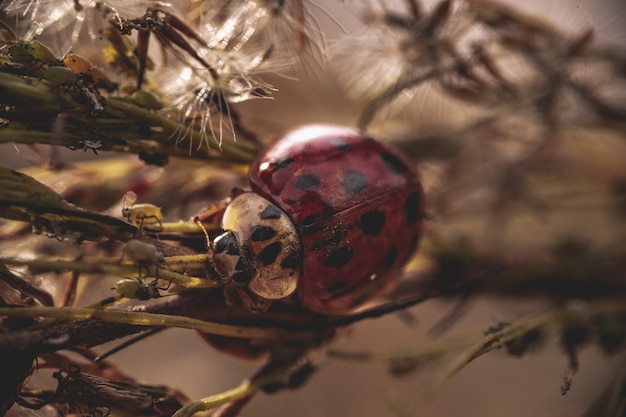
{"x": 165, "y": 320}
{"x": 273, "y": 371}
{"x": 246, "y": 389}
{"x": 47, "y": 265}
{"x": 492, "y": 341}
{"x": 242, "y": 152}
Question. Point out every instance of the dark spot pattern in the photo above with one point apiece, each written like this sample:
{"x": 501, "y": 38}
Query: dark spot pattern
{"x": 339, "y": 257}
{"x": 243, "y": 275}
{"x": 372, "y": 222}
{"x": 390, "y": 257}
{"x": 292, "y": 261}
{"x": 269, "y": 253}
{"x": 227, "y": 243}
{"x": 262, "y": 233}
{"x": 332, "y": 239}
{"x": 337, "y": 287}
{"x": 354, "y": 181}
{"x": 271, "y": 212}
{"x": 307, "y": 182}
{"x": 393, "y": 163}
{"x": 411, "y": 205}
{"x": 282, "y": 163}
{"x": 340, "y": 144}
{"x": 241, "y": 278}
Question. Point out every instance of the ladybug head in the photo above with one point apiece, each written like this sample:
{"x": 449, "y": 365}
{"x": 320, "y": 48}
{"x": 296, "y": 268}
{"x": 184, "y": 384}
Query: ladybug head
{"x": 260, "y": 248}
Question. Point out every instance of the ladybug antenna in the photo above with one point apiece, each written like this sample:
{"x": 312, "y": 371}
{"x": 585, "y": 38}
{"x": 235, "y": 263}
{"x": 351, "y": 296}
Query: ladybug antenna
{"x": 198, "y": 222}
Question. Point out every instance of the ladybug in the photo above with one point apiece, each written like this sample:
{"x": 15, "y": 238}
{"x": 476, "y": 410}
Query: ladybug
{"x": 332, "y": 216}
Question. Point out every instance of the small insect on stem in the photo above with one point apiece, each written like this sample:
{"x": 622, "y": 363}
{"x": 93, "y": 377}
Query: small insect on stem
{"x": 86, "y": 145}
{"x": 136, "y": 289}
{"x": 143, "y": 254}
{"x": 142, "y": 215}
{"x": 88, "y": 73}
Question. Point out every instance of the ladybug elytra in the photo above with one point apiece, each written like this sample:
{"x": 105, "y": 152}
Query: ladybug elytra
{"x": 332, "y": 216}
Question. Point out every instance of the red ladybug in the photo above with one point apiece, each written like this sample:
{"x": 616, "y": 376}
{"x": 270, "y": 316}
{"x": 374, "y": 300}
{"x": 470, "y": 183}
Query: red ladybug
{"x": 332, "y": 215}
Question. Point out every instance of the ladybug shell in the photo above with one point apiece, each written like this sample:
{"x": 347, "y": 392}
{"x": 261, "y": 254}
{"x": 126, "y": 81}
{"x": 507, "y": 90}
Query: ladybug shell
{"x": 356, "y": 204}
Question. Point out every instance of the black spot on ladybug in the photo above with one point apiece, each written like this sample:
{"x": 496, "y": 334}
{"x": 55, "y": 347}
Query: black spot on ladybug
{"x": 372, "y": 222}
{"x": 332, "y": 237}
{"x": 241, "y": 278}
{"x": 261, "y": 233}
{"x": 226, "y": 243}
{"x": 354, "y": 181}
{"x": 411, "y": 205}
{"x": 292, "y": 261}
{"x": 340, "y": 144}
{"x": 339, "y": 257}
{"x": 241, "y": 265}
{"x": 242, "y": 275}
{"x": 282, "y": 163}
{"x": 390, "y": 257}
{"x": 393, "y": 163}
{"x": 308, "y": 182}
{"x": 269, "y": 253}
{"x": 271, "y": 212}
{"x": 317, "y": 208}
{"x": 337, "y": 287}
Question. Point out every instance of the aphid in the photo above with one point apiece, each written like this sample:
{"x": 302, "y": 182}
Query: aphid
{"x": 26, "y": 51}
{"x": 135, "y": 289}
{"x": 332, "y": 216}
{"x": 85, "y": 145}
{"x": 142, "y": 215}
{"x": 32, "y": 52}
{"x": 144, "y": 99}
{"x": 89, "y": 73}
{"x": 58, "y": 76}
{"x": 142, "y": 253}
